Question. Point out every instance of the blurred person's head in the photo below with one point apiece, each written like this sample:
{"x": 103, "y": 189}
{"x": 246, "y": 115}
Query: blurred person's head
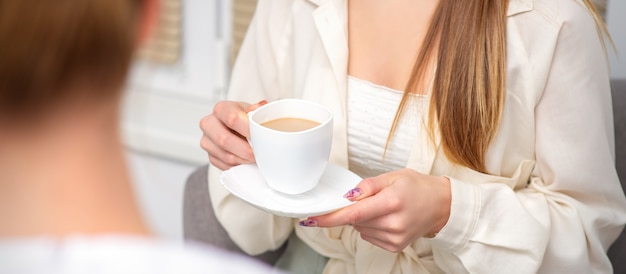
{"x": 63, "y": 64}
{"x": 65, "y": 51}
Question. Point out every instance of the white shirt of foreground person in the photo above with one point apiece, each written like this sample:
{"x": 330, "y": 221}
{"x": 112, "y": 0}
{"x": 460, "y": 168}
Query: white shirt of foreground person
{"x": 118, "y": 255}
{"x": 553, "y": 203}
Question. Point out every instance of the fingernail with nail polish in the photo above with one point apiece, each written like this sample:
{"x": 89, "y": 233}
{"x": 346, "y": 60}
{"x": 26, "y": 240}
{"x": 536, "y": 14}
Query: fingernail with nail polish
{"x": 308, "y": 223}
{"x": 353, "y": 193}
{"x": 255, "y": 106}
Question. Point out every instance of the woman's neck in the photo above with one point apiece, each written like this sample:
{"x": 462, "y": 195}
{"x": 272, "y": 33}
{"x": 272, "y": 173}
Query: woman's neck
{"x": 66, "y": 175}
{"x": 384, "y": 39}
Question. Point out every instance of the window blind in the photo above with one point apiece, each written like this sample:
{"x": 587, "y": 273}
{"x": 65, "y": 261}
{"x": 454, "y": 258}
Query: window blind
{"x": 164, "y": 46}
{"x": 243, "y": 10}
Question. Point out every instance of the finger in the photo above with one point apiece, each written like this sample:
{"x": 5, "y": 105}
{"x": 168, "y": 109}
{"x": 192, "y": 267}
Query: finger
{"x": 368, "y": 187}
{"x": 383, "y": 244}
{"x": 222, "y": 158}
{"x": 233, "y": 115}
{"x": 371, "y": 235}
{"x": 222, "y": 165}
{"x": 219, "y": 163}
{"x": 232, "y": 150}
{"x": 218, "y": 139}
{"x": 255, "y": 106}
{"x": 382, "y": 237}
{"x": 359, "y": 212}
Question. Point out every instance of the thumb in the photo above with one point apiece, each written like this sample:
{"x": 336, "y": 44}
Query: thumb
{"x": 255, "y": 106}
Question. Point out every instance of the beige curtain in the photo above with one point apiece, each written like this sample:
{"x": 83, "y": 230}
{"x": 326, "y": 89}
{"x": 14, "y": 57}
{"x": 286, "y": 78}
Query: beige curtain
{"x": 165, "y": 44}
{"x": 242, "y": 14}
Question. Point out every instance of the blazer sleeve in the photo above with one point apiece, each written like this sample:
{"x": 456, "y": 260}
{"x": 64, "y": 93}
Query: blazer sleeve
{"x": 254, "y": 77}
{"x": 573, "y": 207}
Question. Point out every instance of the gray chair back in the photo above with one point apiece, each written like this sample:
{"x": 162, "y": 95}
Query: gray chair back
{"x": 617, "y": 252}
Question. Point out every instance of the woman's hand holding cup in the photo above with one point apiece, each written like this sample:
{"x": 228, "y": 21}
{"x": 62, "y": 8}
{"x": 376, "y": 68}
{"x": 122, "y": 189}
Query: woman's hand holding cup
{"x": 225, "y": 132}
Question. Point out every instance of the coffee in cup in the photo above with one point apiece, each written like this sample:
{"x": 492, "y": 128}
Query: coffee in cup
{"x": 290, "y": 124}
{"x": 291, "y": 140}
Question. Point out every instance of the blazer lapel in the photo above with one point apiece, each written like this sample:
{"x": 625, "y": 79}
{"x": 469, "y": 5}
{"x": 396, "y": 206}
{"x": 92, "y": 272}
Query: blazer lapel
{"x": 331, "y": 21}
{"x": 519, "y": 6}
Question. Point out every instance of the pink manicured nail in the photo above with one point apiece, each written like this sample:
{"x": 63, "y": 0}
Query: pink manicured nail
{"x": 308, "y": 223}
{"x": 255, "y": 106}
{"x": 353, "y": 193}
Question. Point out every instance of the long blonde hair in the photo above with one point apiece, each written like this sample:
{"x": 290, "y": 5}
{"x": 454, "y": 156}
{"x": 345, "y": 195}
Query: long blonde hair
{"x": 469, "y": 84}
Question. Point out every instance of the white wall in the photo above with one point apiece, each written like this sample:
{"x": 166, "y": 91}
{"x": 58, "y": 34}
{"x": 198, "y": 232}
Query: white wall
{"x": 159, "y": 185}
{"x": 616, "y": 23}
{"x": 162, "y": 110}
{"x": 165, "y": 103}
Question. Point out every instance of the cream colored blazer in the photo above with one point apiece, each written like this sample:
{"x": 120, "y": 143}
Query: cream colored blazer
{"x": 553, "y": 204}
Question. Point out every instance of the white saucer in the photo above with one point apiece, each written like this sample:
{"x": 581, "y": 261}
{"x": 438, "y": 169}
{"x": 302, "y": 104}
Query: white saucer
{"x": 246, "y": 182}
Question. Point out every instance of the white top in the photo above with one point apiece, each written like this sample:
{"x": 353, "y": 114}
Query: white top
{"x": 117, "y": 255}
{"x": 371, "y": 111}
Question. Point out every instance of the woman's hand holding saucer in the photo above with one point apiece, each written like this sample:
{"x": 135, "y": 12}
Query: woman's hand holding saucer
{"x": 393, "y": 209}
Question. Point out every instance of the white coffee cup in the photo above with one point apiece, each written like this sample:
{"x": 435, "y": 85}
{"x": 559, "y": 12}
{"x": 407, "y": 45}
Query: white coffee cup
{"x": 291, "y": 162}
